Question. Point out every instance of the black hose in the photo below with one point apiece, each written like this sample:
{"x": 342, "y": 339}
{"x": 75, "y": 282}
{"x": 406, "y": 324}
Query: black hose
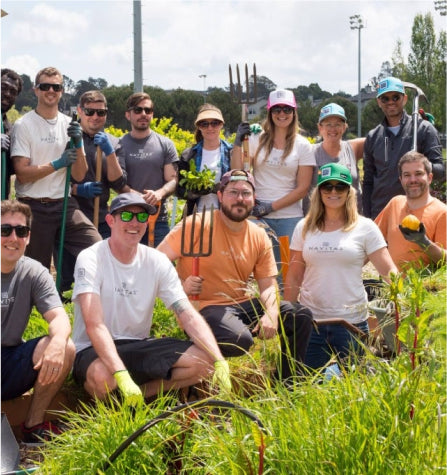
{"x": 170, "y": 412}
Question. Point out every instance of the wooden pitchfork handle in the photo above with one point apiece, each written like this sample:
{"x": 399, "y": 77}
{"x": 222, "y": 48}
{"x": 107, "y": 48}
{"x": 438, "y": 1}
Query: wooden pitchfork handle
{"x": 151, "y": 226}
{"x": 246, "y": 155}
{"x": 98, "y": 178}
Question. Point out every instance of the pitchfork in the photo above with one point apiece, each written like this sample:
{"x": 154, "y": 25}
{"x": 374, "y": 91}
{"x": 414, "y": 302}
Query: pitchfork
{"x": 236, "y": 93}
{"x": 201, "y": 243}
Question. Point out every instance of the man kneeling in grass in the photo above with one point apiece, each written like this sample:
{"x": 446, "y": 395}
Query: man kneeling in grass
{"x": 42, "y": 363}
{"x": 116, "y": 283}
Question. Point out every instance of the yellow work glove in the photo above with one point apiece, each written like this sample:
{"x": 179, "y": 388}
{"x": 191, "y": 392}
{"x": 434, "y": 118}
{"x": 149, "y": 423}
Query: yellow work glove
{"x": 221, "y": 375}
{"x": 131, "y": 392}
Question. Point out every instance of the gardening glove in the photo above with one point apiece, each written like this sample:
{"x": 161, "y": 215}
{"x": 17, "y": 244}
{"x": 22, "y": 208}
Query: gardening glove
{"x": 419, "y": 237}
{"x": 262, "y": 208}
{"x": 221, "y": 376}
{"x": 89, "y": 189}
{"x": 6, "y": 142}
{"x": 67, "y": 158}
{"x": 255, "y": 129}
{"x": 131, "y": 392}
{"x": 75, "y": 132}
{"x": 243, "y": 130}
{"x": 103, "y": 141}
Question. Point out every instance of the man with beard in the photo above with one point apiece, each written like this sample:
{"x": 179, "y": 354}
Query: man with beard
{"x": 241, "y": 250}
{"x": 387, "y": 142}
{"x": 427, "y": 244}
{"x": 11, "y": 87}
{"x": 149, "y": 160}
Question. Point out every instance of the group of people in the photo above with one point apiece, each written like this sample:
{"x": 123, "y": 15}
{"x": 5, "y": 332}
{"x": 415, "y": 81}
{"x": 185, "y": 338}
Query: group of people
{"x": 311, "y": 194}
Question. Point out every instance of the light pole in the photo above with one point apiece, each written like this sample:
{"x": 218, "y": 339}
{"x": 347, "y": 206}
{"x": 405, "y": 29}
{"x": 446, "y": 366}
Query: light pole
{"x": 441, "y": 6}
{"x": 203, "y": 76}
{"x": 356, "y": 23}
{"x": 137, "y": 48}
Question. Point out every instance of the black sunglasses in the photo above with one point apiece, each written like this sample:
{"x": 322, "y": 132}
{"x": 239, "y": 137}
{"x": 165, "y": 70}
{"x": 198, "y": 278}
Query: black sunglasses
{"x": 286, "y": 109}
{"x": 204, "y": 124}
{"x": 394, "y": 98}
{"x": 127, "y": 216}
{"x": 91, "y": 112}
{"x": 339, "y": 187}
{"x": 46, "y": 86}
{"x": 139, "y": 110}
{"x": 21, "y": 231}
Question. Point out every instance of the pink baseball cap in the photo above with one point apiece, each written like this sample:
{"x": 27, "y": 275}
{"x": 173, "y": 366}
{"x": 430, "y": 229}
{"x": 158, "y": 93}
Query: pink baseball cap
{"x": 283, "y": 97}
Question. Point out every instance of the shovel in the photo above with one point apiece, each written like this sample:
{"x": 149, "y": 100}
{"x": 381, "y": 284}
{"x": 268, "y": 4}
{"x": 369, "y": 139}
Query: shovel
{"x": 188, "y": 251}
{"x": 98, "y": 178}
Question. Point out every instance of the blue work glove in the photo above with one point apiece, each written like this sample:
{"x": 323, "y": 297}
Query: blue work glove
{"x": 89, "y": 189}
{"x": 131, "y": 392}
{"x": 419, "y": 237}
{"x": 243, "y": 130}
{"x": 6, "y": 142}
{"x": 103, "y": 141}
{"x": 262, "y": 208}
{"x": 74, "y": 131}
{"x": 67, "y": 158}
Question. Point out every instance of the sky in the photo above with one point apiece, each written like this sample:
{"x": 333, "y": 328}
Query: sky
{"x": 291, "y": 42}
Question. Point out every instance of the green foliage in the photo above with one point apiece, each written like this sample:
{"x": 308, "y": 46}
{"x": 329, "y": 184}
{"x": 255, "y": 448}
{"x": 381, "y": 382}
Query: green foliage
{"x": 195, "y": 180}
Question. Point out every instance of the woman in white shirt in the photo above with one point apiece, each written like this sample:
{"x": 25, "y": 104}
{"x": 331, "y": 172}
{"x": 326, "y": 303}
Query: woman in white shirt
{"x": 328, "y": 250}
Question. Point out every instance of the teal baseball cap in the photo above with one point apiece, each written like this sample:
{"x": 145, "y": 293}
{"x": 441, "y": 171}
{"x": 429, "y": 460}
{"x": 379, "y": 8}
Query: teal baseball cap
{"x": 332, "y": 110}
{"x": 334, "y": 171}
{"x": 390, "y": 84}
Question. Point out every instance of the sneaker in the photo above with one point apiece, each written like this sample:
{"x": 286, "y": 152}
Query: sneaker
{"x": 41, "y": 433}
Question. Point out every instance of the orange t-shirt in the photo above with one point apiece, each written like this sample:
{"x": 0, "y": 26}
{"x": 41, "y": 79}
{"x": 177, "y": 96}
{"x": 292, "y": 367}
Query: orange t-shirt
{"x": 433, "y": 216}
{"x": 234, "y": 258}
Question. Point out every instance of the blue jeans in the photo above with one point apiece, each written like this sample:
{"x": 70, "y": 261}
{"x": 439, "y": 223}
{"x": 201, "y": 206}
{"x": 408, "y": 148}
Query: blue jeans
{"x": 281, "y": 227}
{"x": 329, "y": 340}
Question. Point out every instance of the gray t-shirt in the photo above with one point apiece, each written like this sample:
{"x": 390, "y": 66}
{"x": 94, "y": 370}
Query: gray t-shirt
{"x": 27, "y": 285}
{"x": 143, "y": 160}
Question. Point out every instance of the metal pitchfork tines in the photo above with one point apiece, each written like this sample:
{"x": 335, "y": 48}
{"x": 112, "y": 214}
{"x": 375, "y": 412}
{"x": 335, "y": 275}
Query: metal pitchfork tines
{"x": 189, "y": 251}
{"x": 244, "y": 99}
{"x": 236, "y": 89}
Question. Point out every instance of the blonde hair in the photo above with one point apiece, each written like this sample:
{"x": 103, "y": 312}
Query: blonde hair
{"x": 268, "y": 135}
{"x": 314, "y": 220}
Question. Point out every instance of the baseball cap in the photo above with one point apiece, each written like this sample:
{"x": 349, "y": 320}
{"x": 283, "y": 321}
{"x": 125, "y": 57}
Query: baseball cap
{"x": 131, "y": 199}
{"x": 246, "y": 176}
{"x": 390, "y": 84}
{"x": 281, "y": 96}
{"x": 334, "y": 171}
{"x": 211, "y": 113}
{"x": 332, "y": 110}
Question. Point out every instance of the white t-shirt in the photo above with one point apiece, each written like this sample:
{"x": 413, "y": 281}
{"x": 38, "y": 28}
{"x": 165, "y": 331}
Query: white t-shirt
{"x": 127, "y": 291}
{"x": 275, "y": 177}
{"x": 332, "y": 286}
{"x": 41, "y": 141}
{"x": 211, "y": 159}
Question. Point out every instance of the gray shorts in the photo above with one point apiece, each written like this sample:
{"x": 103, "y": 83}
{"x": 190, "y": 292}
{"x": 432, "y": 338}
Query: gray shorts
{"x": 146, "y": 360}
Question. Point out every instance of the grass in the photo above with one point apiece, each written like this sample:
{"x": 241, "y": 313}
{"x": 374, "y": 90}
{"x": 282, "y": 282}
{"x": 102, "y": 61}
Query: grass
{"x": 380, "y": 417}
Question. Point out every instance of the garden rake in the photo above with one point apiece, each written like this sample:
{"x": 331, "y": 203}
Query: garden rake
{"x": 418, "y": 93}
{"x": 244, "y": 100}
{"x": 189, "y": 251}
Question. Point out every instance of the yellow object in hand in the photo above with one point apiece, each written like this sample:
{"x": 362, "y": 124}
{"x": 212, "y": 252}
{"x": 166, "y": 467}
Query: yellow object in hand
{"x": 221, "y": 375}
{"x": 411, "y": 222}
{"x": 131, "y": 392}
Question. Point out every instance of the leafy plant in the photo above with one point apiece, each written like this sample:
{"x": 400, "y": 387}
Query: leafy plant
{"x": 195, "y": 180}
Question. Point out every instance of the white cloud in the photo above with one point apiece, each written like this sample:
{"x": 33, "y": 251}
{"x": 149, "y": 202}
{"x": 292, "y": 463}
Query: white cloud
{"x": 292, "y": 42}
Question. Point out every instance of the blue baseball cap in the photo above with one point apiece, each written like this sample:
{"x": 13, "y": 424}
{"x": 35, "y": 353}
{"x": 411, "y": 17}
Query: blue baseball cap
{"x": 332, "y": 110}
{"x": 390, "y": 84}
{"x": 131, "y": 199}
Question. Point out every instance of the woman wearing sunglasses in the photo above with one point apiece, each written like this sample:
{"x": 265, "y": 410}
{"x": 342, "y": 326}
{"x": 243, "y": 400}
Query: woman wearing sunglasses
{"x": 283, "y": 163}
{"x": 332, "y": 125}
{"x": 210, "y": 151}
{"x": 328, "y": 250}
